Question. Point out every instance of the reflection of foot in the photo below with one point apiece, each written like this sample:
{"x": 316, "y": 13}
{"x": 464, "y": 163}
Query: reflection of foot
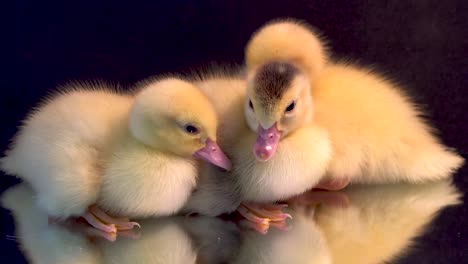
{"x": 335, "y": 184}
{"x": 54, "y": 220}
{"x": 102, "y": 221}
{"x": 129, "y": 234}
{"x": 316, "y": 197}
{"x": 81, "y": 225}
{"x": 93, "y": 233}
{"x": 261, "y": 217}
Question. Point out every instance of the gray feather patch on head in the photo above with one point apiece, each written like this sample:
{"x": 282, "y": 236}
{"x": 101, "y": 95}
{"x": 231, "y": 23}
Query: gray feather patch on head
{"x": 272, "y": 80}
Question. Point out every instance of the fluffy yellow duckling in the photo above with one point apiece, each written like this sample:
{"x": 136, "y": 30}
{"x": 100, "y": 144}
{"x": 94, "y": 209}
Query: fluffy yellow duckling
{"x": 90, "y": 151}
{"x": 375, "y": 130}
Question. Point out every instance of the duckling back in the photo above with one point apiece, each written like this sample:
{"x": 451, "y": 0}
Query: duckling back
{"x": 377, "y": 133}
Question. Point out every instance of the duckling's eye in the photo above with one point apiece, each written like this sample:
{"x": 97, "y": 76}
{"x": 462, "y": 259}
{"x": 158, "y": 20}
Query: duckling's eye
{"x": 191, "y": 129}
{"x": 290, "y": 107}
{"x": 251, "y": 105}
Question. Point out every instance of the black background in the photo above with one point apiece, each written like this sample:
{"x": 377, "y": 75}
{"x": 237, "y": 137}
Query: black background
{"x": 421, "y": 44}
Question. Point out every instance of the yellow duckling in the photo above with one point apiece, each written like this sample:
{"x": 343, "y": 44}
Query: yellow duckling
{"x": 90, "y": 151}
{"x": 376, "y": 132}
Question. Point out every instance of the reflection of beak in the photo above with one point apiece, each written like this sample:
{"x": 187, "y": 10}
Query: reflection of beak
{"x": 267, "y": 142}
{"x": 213, "y": 154}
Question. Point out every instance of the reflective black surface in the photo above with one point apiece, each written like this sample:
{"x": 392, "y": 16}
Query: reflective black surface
{"x": 362, "y": 224}
{"x": 421, "y": 44}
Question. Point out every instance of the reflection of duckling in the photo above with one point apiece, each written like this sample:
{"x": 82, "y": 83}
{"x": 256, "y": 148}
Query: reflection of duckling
{"x": 130, "y": 156}
{"x": 380, "y": 222}
{"x": 162, "y": 240}
{"x": 216, "y": 240}
{"x": 375, "y": 130}
{"x": 41, "y": 242}
{"x": 205, "y": 240}
{"x": 304, "y": 243}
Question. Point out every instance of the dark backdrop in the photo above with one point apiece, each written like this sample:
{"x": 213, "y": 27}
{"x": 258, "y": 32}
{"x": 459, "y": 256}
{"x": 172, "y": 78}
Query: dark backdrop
{"x": 423, "y": 44}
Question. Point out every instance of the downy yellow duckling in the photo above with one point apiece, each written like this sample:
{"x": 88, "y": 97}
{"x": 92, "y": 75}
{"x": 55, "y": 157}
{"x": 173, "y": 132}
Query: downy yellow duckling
{"x": 92, "y": 152}
{"x": 278, "y": 109}
{"x": 376, "y": 132}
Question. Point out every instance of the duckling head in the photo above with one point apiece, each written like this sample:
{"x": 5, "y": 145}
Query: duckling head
{"x": 278, "y": 102}
{"x": 173, "y": 115}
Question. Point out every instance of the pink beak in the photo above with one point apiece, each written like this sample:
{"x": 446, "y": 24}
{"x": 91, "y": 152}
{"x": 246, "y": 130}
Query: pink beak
{"x": 214, "y": 155}
{"x": 267, "y": 142}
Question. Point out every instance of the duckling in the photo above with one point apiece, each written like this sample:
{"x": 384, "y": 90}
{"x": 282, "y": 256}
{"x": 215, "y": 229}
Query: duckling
{"x": 93, "y": 153}
{"x": 376, "y": 132}
{"x": 256, "y": 184}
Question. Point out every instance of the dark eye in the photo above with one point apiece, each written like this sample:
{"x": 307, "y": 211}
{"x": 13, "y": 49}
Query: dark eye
{"x": 251, "y": 105}
{"x": 290, "y": 107}
{"x": 191, "y": 129}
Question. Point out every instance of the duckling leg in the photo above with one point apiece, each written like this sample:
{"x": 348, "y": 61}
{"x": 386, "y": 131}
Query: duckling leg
{"x": 333, "y": 184}
{"x": 102, "y": 221}
{"x": 120, "y": 223}
{"x": 97, "y": 223}
{"x": 93, "y": 233}
{"x": 261, "y": 217}
{"x": 261, "y": 228}
{"x": 98, "y": 233}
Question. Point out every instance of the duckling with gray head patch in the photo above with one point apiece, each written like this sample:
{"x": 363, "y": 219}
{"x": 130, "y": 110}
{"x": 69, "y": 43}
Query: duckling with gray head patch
{"x": 376, "y": 132}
